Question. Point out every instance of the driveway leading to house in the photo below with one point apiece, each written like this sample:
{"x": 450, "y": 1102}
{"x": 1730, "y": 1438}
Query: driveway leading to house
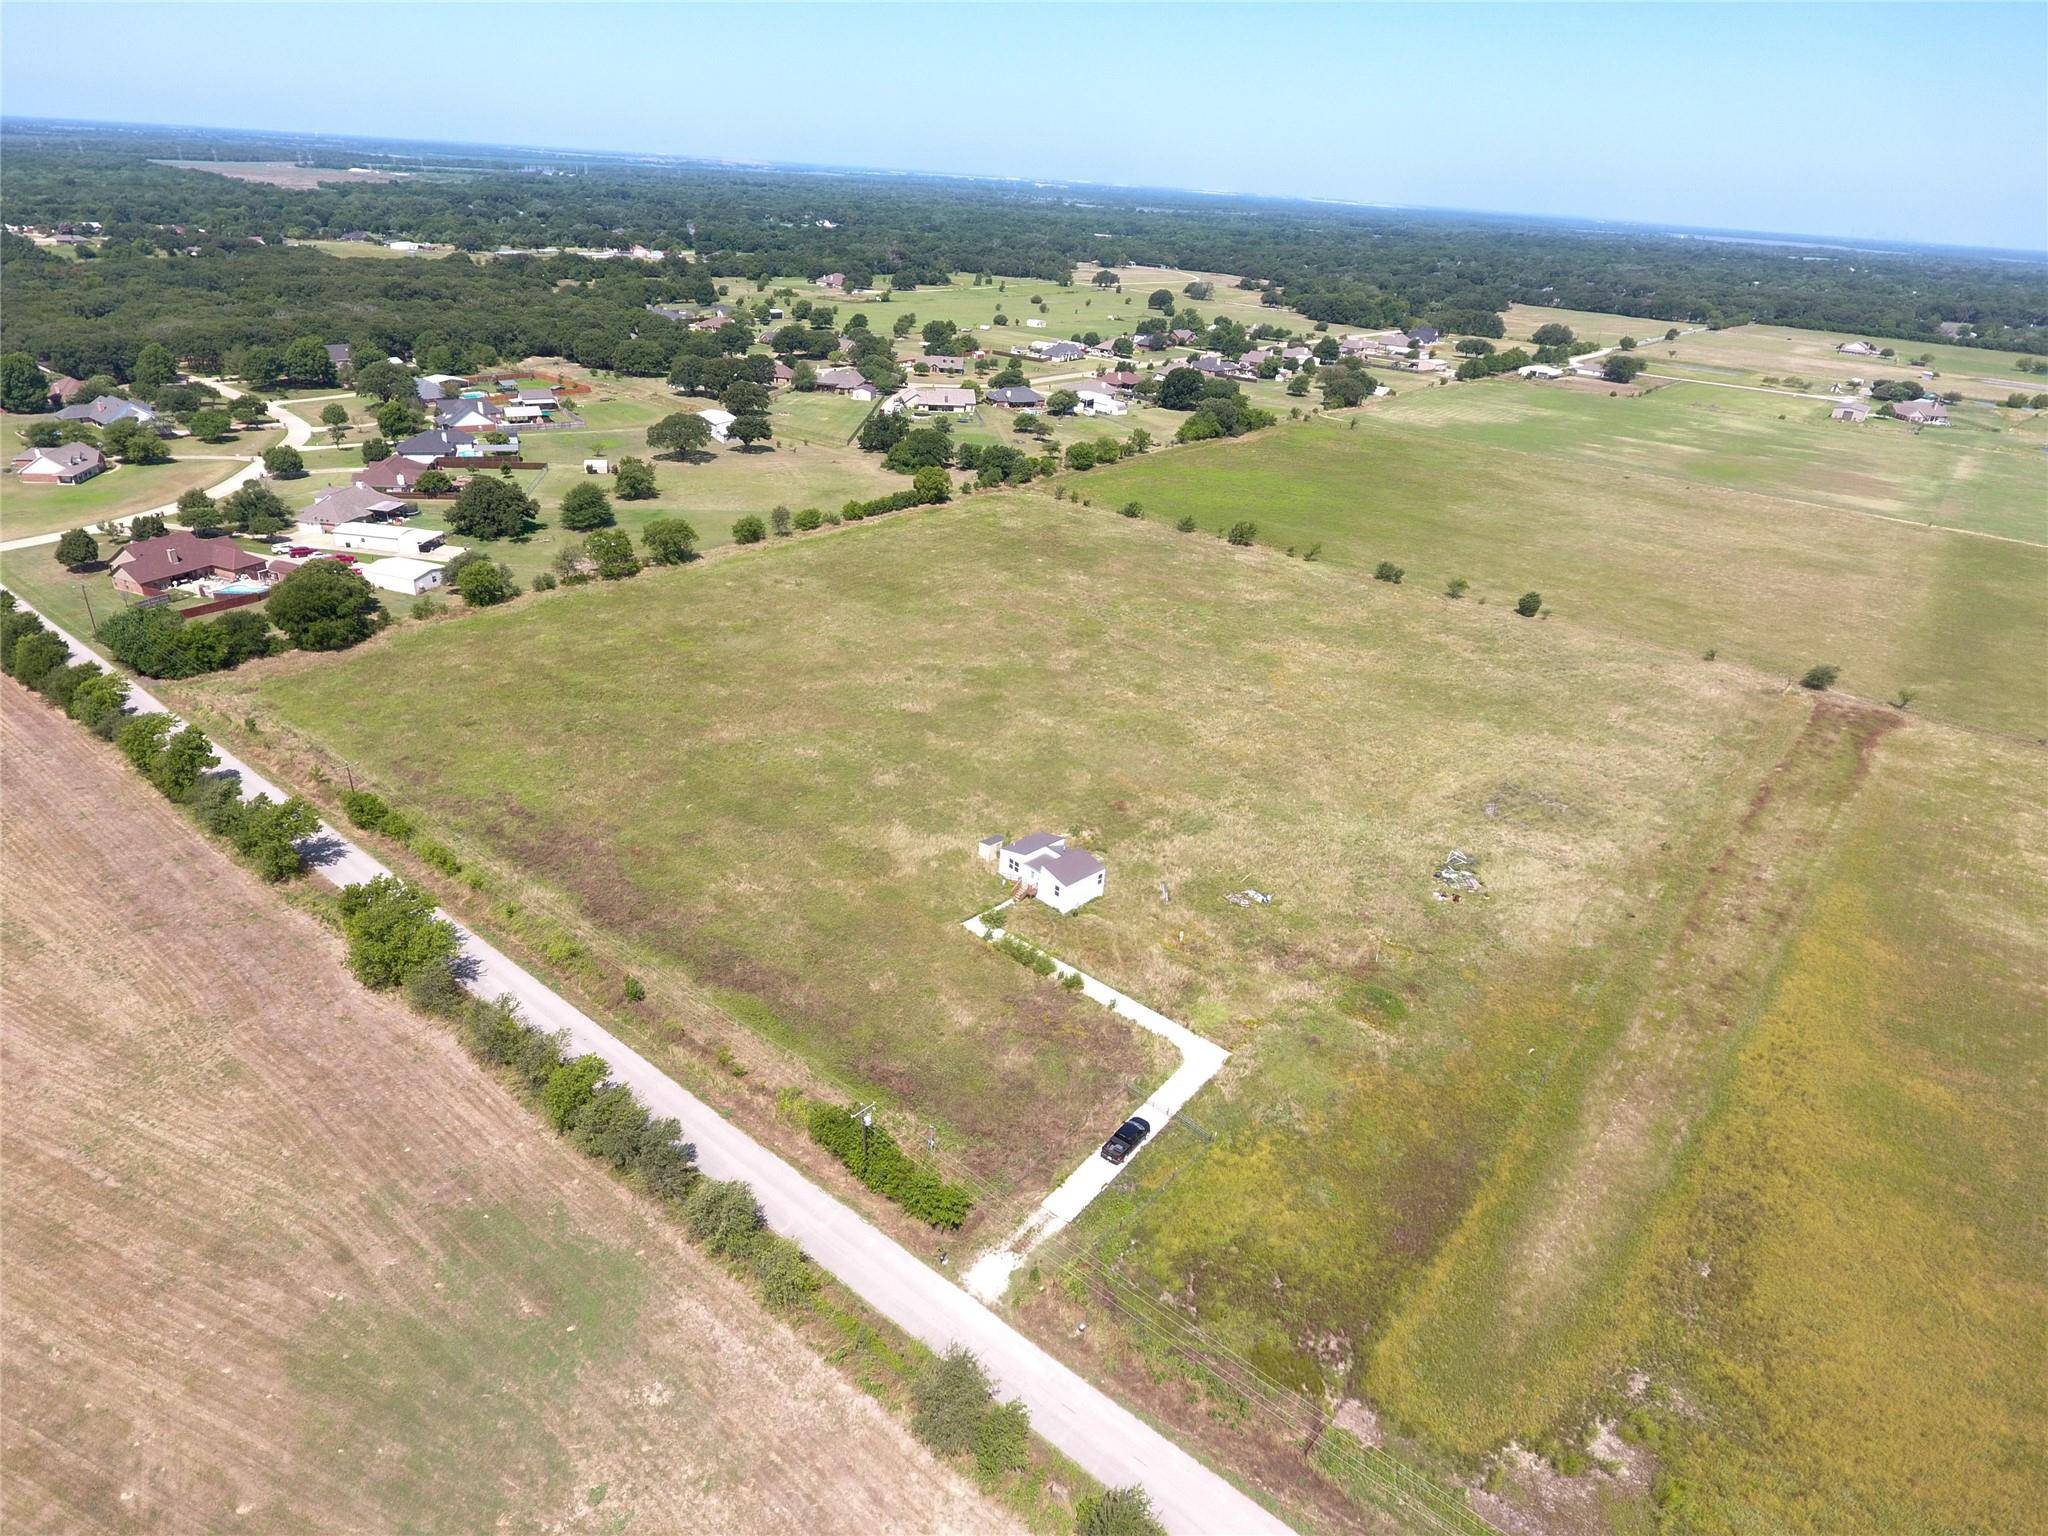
{"x": 1103, "y": 1437}
{"x": 1200, "y": 1059}
{"x": 298, "y": 432}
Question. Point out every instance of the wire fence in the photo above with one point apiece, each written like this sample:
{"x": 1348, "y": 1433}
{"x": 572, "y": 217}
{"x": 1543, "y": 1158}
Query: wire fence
{"x": 1362, "y": 1469}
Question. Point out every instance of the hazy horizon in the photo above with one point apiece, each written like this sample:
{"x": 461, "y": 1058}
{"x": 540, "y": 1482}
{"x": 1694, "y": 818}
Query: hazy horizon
{"x": 1820, "y": 121}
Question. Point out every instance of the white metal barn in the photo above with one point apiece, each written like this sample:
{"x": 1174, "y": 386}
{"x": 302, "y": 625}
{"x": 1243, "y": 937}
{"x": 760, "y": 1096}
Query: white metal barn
{"x": 399, "y": 574}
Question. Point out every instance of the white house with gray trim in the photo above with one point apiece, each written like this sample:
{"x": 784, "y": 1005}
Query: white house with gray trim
{"x": 1041, "y": 862}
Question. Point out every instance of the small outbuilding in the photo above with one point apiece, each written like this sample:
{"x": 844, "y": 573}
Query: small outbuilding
{"x": 403, "y": 575}
{"x": 385, "y": 538}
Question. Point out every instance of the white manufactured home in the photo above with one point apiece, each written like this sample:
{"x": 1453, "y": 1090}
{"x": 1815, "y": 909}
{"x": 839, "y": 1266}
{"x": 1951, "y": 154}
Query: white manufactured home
{"x": 1041, "y": 862}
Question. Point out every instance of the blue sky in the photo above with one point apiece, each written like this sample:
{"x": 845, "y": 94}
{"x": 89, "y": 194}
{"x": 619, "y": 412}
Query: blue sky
{"x": 1915, "y": 122}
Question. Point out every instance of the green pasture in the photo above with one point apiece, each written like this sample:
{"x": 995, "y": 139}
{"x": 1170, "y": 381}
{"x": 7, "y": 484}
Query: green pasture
{"x": 1692, "y": 518}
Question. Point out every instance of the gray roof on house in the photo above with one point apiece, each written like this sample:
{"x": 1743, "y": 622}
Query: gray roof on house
{"x": 1072, "y": 865}
{"x": 938, "y": 397}
{"x": 545, "y": 395}
{"x": 448, "y": 410}
{"x": 1033, "y": 842}
{"x": 1016, "y": 394}
{"x": 434, "y": 445}
{"x": 426, "y": 389}
{"x": 107, "y": 410}
{"x": 339, "y": 354}
{"x": 66, "y": 456}
{"x": 349, "y": 504}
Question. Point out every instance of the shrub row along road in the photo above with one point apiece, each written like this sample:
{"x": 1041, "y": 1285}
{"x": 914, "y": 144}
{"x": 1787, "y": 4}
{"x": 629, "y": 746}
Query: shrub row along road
{"x": 1099, "y": 1434}
{"x": 298, "y": 432}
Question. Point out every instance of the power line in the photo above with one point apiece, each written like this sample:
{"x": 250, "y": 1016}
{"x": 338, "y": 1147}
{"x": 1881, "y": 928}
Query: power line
{"x": 1396, "y": 1482}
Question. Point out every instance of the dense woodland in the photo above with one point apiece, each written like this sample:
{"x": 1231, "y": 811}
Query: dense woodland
{"x": 1346, "y": 267}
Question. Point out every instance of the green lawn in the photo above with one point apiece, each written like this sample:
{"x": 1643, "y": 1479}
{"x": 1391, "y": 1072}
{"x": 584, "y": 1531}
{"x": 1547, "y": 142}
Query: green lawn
{"x": 1689, "y": 517}
{"x": 26, "y": 510}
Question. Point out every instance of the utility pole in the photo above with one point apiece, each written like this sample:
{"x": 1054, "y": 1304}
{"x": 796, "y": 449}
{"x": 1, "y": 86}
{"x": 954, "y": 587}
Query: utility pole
{"x": 90, "y": 615}
{"x": 867, "y": 1125}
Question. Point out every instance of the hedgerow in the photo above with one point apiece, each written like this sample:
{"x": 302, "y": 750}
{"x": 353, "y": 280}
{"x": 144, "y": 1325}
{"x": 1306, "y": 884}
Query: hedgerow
{"x": 874, "y": 1158}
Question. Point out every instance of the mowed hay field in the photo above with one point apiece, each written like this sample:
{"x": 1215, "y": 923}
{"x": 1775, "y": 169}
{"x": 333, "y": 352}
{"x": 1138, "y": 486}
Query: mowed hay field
{"x": 280, "y": 1258}
{"x": 1751, "y": 353}
{"x": 1691, "y": 517}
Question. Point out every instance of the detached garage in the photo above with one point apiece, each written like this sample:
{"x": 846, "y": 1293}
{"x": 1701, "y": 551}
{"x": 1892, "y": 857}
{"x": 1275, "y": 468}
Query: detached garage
{"x": 407, "y": 577}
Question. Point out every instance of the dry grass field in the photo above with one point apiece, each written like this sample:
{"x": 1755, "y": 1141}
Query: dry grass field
{"x": 1466, "y": 1151}
{"x": 279, "y": 1258}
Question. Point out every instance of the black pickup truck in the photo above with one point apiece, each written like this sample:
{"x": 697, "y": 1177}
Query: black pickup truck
{"x": 1126, "y": 1139}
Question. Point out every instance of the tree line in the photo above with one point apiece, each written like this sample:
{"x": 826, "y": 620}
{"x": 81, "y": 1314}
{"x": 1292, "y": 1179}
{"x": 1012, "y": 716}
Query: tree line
{"x": 1358, "y": 267}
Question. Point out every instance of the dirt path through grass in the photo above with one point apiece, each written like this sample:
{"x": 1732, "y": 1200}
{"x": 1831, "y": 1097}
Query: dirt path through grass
{"x": 1532, "y": 1282}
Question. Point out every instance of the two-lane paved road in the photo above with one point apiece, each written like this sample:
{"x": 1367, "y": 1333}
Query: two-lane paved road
{"x": 1101, "y": 1435}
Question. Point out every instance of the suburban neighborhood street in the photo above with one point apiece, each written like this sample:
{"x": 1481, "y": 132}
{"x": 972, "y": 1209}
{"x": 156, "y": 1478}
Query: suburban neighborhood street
{"x": 1103, "y": 1437}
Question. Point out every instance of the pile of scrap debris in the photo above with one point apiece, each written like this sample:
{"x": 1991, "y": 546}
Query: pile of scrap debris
{"x": 1248, "y": 897}
{"x": 1458, "y": 873}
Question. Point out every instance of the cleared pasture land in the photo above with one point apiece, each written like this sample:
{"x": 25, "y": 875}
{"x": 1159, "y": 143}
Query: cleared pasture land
{"x": 1833, "y": 1297}
{"x": 1075, "y": 309}
{"x": 769, "y": 772}
{"x": 761, "y": 777}
{"x": 1519, "y": 322}
{"x": 1691, "y": 517}
{"x": 280, "y": 1258}
{"x": 281, "y": 173}
{"x": 1748, "y": 354}
{"x": 374, "y": 250}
